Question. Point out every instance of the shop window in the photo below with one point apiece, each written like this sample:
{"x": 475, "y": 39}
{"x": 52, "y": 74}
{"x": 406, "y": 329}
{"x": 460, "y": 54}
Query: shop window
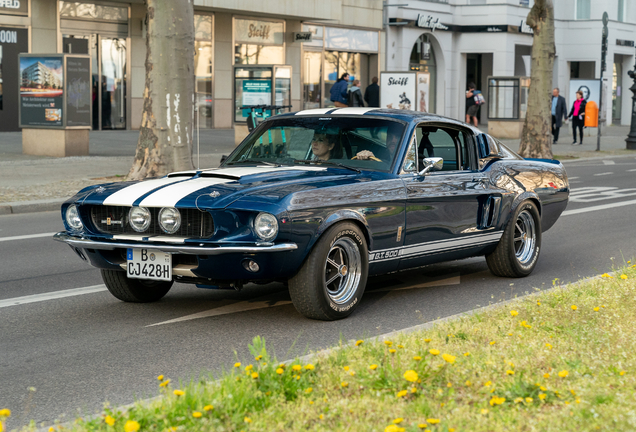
{"x": 503, "y": 97}
{"x": 259, "y": 42}
{"x": 336, "y": 64}
{"x": 258, "y": 54}
{"x": 203, "y": 69}
{"x": 582, "y": 9}
{"x": 423, "y": 60}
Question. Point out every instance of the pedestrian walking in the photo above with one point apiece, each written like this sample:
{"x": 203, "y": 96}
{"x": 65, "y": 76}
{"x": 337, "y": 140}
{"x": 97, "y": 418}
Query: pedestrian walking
{"x": 559, "y": 113}
{"x": 355, "y": 95}
{"x": 578, "y": 116}
{"x": 372, "y": 93}
{"x": 339, "y": 91}
{"x": 473, "y": 96}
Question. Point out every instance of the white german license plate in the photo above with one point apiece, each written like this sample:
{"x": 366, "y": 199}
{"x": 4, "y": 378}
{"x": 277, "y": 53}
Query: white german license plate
{"x": 149, "y": 264}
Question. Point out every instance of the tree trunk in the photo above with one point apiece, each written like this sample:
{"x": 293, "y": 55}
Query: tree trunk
{"x": 536, "y": 138}
{"x": 165, "y": 135}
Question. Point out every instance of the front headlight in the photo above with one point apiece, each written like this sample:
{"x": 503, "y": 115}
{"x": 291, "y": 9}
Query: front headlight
{"x": 169, "y": 219}
{"x": 266, "y": 226}
{"x": 72, "y": 218}
{"x": 139, "y": 218}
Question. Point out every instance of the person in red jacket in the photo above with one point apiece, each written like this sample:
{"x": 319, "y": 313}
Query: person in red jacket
{"x": 578, "y": 117}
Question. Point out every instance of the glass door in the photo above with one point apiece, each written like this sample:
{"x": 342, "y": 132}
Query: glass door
{"x": 311, "y": 79}
{"x": 112, "y": 52}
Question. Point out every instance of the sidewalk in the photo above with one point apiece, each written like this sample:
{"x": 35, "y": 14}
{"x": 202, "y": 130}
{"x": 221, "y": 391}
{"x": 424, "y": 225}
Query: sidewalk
{"x": 36, "y": 183}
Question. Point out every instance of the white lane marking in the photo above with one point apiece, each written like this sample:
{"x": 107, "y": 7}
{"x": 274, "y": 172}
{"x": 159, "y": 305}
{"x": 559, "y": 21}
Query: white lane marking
{"x": 608, "y": 162}
{"x": 225, "y": 310}
{"x": 573, "y": 178}
{"x": 51, "y": 295}
{"x": 604, "y": 174}
{"x": 128, "y": 195}
{"x": 599, "y": 193}
{"x": 599, "y": 207}
{"x": 27, "y": 236}
{"x": 631, "y": 170}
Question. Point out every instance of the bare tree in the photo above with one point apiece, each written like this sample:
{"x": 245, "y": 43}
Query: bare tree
{"x": 165, "y": 135}
{"x": 536, "y": 137}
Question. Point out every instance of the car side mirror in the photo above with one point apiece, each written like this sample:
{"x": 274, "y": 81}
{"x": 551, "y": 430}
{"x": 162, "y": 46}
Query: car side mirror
{"x": 432, "y": 164}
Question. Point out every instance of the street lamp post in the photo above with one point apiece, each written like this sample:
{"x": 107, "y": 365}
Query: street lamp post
{"x": 631, "y": 137}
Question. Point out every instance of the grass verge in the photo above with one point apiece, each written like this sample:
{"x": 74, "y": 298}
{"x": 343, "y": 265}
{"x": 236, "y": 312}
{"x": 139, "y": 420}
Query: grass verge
{"x": 555, "y": 361}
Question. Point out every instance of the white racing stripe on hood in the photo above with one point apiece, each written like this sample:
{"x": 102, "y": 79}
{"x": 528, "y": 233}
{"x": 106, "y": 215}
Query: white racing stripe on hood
{"x": 354, "y": 111}
{"x": 128, "y": 195}
{"x": 244, "y": 171}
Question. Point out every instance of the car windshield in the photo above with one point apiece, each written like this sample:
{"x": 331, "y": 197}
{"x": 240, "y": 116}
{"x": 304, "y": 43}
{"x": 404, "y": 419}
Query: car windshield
{"x": 348, "y": 142}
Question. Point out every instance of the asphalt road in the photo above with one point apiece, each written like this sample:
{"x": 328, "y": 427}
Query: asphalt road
{"x": 79, "y": 349}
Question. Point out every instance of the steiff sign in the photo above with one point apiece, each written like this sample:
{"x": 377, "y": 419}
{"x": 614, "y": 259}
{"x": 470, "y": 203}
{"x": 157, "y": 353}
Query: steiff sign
{"x": 303, "y": 36}
{"x": 14, "y": 7}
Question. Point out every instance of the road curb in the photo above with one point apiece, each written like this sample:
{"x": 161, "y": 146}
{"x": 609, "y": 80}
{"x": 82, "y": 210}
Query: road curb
{"x": 30, "y": 206}
{"x": 596, "y": 158}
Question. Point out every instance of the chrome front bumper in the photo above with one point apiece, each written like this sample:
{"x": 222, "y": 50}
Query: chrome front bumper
{"x": 84, "y": 243}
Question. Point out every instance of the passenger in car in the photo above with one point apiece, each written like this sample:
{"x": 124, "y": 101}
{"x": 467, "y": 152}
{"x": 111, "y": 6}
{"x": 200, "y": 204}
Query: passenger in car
{"x": 326, "y": 146}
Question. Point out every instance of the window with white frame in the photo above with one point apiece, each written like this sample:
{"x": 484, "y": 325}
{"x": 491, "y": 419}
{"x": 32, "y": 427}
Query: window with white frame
{"x": 621, "y": 10}
{"x": 583, "y": 9}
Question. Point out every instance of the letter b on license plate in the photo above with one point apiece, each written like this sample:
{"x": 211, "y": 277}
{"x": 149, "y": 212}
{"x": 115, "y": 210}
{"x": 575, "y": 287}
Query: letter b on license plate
{"x": 148, "y": 264}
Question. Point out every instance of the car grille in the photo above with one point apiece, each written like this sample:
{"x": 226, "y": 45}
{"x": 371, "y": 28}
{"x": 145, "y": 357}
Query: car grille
{"x": 114, "y": 220}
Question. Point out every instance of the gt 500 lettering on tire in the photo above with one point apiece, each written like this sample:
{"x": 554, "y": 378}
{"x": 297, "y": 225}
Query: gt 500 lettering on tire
{"x": 331, "y": 282}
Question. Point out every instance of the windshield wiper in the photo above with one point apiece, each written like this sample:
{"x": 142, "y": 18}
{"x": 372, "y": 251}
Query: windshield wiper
{"x": 327, "y": 162}
{"x": 260, "y": 161}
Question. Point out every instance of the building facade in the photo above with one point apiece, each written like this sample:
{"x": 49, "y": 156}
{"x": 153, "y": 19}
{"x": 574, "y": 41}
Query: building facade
{"x": 244, "y": 51}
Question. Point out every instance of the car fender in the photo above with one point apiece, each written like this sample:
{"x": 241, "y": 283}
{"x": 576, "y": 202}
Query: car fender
{"x": 337, "y": 216}
{"x": 524, "y": 196}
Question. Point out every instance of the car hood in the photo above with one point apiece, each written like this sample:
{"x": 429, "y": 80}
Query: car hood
{"x": 218, "y": 188}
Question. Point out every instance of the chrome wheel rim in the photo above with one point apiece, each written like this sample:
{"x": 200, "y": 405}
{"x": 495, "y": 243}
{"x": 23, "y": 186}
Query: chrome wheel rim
{"x": 343, "y": 269}
{"x": 524, "y": 237}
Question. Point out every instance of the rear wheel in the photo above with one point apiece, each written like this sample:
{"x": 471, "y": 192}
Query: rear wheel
{"x": 331, "y": 282}
{"x": 518, "y": 250}
{"x": 134, "y": 290}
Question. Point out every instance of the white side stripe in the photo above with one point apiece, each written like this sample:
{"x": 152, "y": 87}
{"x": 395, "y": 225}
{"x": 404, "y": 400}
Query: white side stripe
{"x": 128, "y": 195}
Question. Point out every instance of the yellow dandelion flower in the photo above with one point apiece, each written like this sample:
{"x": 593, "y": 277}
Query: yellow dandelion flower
{"x": 258, "y": 357}
{"x": 466, "y": 354}
{"x": 391, "y": 428}
{"x": 237, "y": 364}
{"x": 131, "y": 426}
{"x": 449, "y": 358}
{"x": 392, "y": 350}
{"x": 596, "y": 309}
{"x": 538, "y": 303}
{"x": 451, "y": 429}
{"x": 321, "y": 416}
{"x": 563, "y": 373}
{"x": 249, "y": 367}
{"x": 400, "y": 346}
{"x": 510, "y": 372}
{"x": 543, "y": 388}
{"x": 484, "y": 411}
{"x": 427, "y": 340}
{"x": 509, "y": 334}
{"x": 160, "y": 377}
{"x": 434, "y": 351}
{"x": 413, "y": 390}
{"x": 417, "y": 358}
{"x": 254, "y": 375}
{"x": 280, "y": 371}
{"x": 373, "y": 367}
{"x": 432, "y": 420}
{"x": 247, "y": 420}
{"x": 308, "y": 390}
{"x": 605, "y": 275}
{"x": 623, "y": 276}
{"x": 388, "y": 343}
{"x": 497, "y": 400}
{"x": 578, "y": 400}
{"x": 165, "y": 383}
{"x": 297, "y": 377}
{"x": 359, "y": 342}
{"x": 5, "y": 412}
{"x": 542, "y": 396}
{"x": 548, "y": 345}
{"x": 310, "y": 367}
{"x": 352, "y": 373}
{"x": 110, "y": 421}
{"x": 468, "y": 383}
{"x": 208, "y": 408}
{"x": 411, "y": 376}
{"x": 178, "y": 392}
{"x": 297, "y": 368}
{"x": 514, "y": 313}
{"x": 449, "y": 384}
{"x": 529, "y": 399}
{"x": 621, "y": 373}
{"x": 518, "y": 400}
{"x": 344, "y": 384}
{"x": 492, "y": 342}
{"x": 401, "y": 393}
{"x": 487, "y": 383}
{"x": 422, "y": 425}
{"x": 546, "y": 375}
{"x": 574, "y": 307}
{"x": 346, "y": 368}
{"x": 197, "y": 414}
{"x": 398, "y": 420}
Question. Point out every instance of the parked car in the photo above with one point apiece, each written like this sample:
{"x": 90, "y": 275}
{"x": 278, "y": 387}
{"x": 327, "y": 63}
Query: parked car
{"x": 322, "y": 199}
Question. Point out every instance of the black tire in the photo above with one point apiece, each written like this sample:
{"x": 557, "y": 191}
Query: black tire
{"x": 340, "y": 254}
{"x": 518, "y": 250}
{"x": 134, "y": 290}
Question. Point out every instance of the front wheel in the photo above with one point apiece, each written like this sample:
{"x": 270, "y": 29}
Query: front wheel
{"x": 518, "y": 249}
{"x": 134, "y": 290}
{"x": 331, "y": 282}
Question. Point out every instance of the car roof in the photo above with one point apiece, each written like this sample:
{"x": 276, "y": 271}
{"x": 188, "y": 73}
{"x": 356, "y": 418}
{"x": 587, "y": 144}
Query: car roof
{"x": 404, "y": 115}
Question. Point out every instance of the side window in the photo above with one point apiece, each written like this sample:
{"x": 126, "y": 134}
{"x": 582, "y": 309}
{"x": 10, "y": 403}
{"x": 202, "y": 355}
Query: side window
{"x": 465, "y": 142}
{"x": 439, "y": 142}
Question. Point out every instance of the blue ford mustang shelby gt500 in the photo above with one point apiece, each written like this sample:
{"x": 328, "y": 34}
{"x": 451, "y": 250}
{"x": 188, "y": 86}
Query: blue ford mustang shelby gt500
{"x": 322, "y": 199}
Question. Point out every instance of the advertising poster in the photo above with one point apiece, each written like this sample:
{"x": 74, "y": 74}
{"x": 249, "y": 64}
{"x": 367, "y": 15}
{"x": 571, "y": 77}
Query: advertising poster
{"x": 41, "y": 91}
{"x": 591, "y": 91}
{"x": 257, "y": 92}
{"x": 423, "y": 88}
{"x": 398, "y": 90}
{"x": 78, "y": 91}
